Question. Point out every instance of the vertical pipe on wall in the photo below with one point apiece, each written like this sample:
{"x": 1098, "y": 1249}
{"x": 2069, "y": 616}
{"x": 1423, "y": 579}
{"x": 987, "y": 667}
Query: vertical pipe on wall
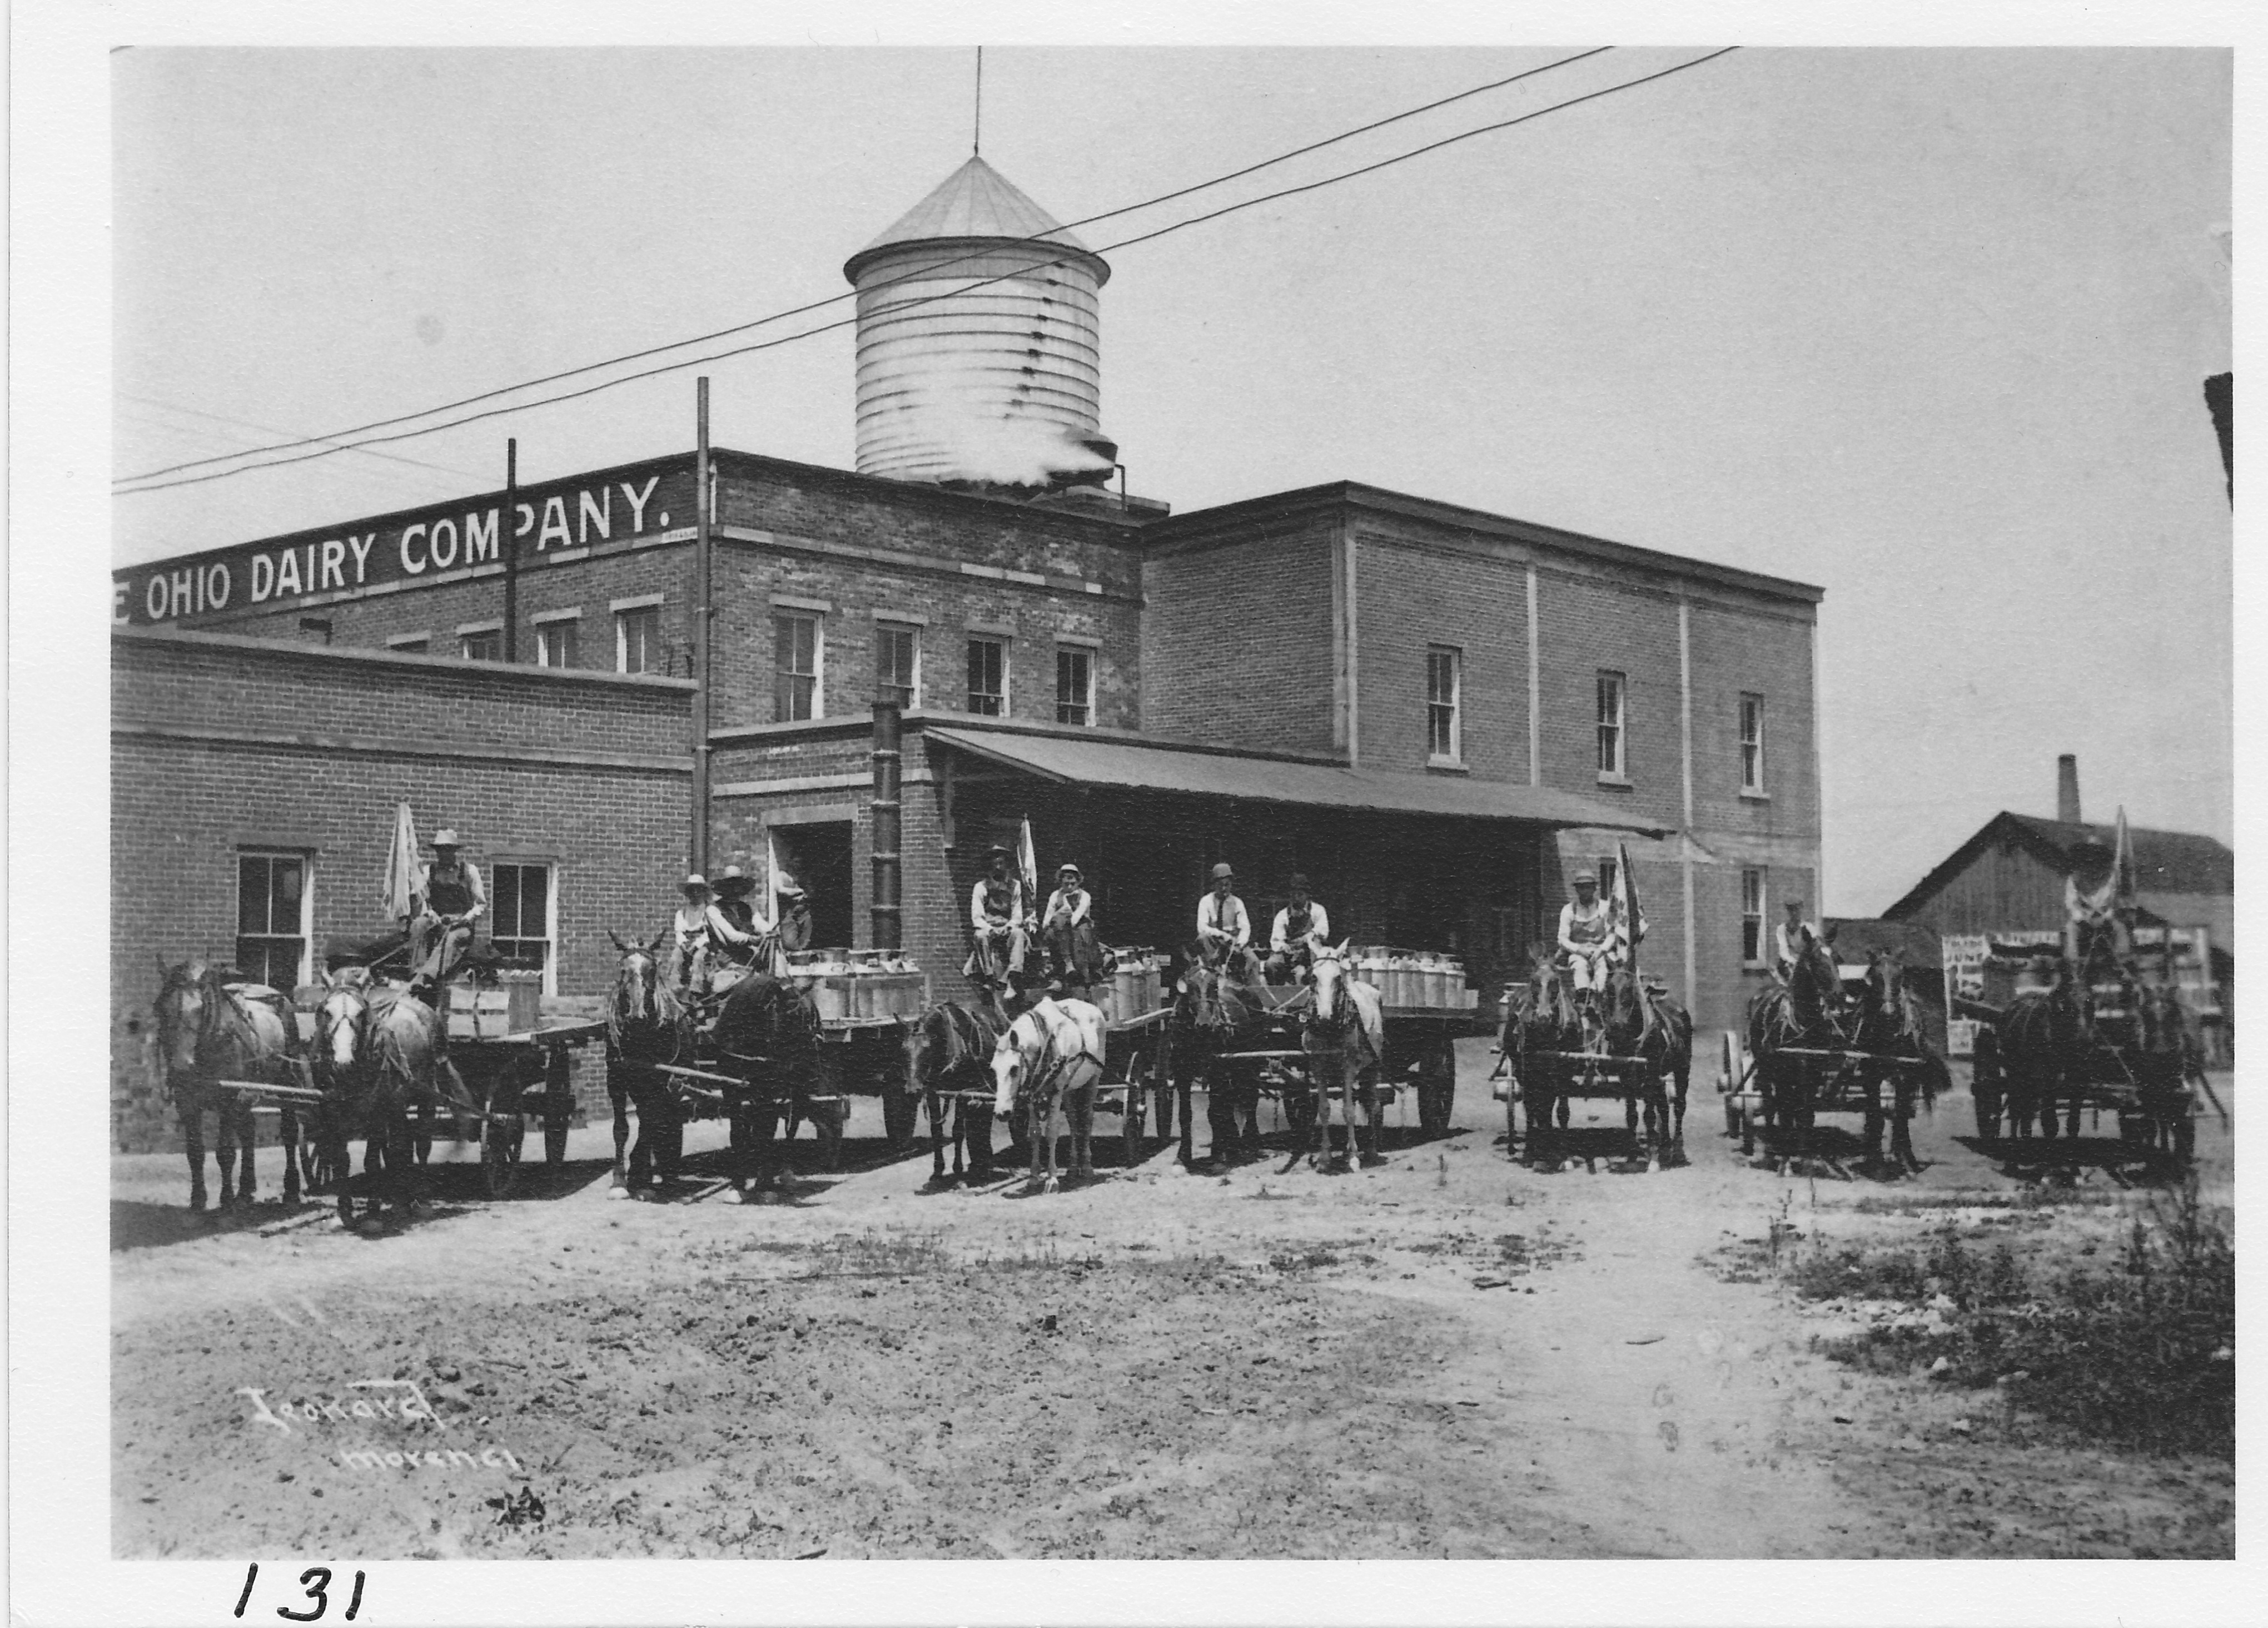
{"x": 699, "y": 846}
{"x": 1535, "y": 691}
{"x": 1353, "y": 667}
{"x": 1818, "y": 785}
{"x": 1685, "y": 738}
{"x": 886, "y": 916}
{"x": 510, "y": 551}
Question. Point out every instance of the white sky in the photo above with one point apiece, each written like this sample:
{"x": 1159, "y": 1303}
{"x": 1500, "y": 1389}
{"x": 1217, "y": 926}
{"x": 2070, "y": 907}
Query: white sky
{"x": 1926, "y": 327}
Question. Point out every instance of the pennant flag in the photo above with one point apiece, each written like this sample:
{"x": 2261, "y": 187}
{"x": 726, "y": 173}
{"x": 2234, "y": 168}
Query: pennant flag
{"x": 1027, "y": 863}
{"x": 2121, "y": 871}
{"x": 1626, "y": 920}
{"x": 401, "y": 866}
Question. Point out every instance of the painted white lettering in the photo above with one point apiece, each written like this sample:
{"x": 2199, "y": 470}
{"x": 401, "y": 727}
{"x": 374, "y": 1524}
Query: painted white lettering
{"x": 218, "y": 583}
{"x": 121, "y": 607}
{"x": 525, "y": 518}
{"x": 393, "y": 1461}
{"x": 334, "y": 564}
{"x": 488, "y": 1460}
{"x": 514, "y": 1463}
{"x": 333, "y": 1410}
{"x": 637, "y": 502}
{"x": 443, "y": 559}
{"x": 361, "y": 1410}
{"x": 154, "y": 598}
{"x": 184, "y": 592}
{"x": 417, "y": 567}
{"x": 263, "y": 1417}
{"x": 459, "y": 1453}
{"x": 480, "y": 542}
{"x": 355, "y": 1458}
{"x": 586, "y": 512}
{"x": 263, "y": 577}
{"x": 554, "y": 523}
{"x": 361, "y": 547}
{"x": 287, "y": 574}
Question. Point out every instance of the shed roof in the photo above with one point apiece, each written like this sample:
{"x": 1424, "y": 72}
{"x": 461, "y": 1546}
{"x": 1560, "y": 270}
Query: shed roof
{"x": 2165, "y": 862}
{"x": 1149, "y": 767}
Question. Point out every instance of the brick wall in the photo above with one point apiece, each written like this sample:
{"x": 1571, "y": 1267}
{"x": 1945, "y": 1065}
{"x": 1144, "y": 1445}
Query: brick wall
{"x": 319, "y": 746}
{"x": 1413, "y": 595}
{"x": 1236, "y": 639}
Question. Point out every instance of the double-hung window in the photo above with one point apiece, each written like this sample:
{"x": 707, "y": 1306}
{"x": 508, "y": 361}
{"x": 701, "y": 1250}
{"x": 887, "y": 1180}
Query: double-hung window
{"x": 1074, "y": 686}
{"x": 1613, "y": 755}
{"x": 1752, "y": 744}
{"x": 988, "y": 677}
{"x": 556, "y": 643}
{"x": 1752, "y": 918}
{"x": 795, "y": 666}
{"x": 274, "y": 918}
{"x": 638, "y": 640}
{"x": 1444, "y": 728}
{"x": 897, "y": 662}
{"x": 519, "y": 916}
{"x": 482, "y": 644}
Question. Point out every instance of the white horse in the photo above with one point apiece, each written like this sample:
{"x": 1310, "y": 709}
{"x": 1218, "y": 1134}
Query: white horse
{"x": 1051, "y": 1057}
{"x": 1344, "y": 1038}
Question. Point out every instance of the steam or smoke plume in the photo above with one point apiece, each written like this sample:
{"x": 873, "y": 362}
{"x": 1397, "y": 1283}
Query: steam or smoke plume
{"x": 984, "y": 443}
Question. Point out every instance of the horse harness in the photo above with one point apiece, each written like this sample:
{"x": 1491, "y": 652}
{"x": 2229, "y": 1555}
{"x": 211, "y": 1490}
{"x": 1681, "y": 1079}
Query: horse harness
{"x": 1048, "y": 1078}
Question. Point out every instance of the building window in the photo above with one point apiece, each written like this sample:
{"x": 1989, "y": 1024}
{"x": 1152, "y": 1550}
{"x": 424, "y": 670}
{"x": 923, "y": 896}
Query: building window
{"x": 519, "y": 916}
{"x": 795, "y": 668}
{"x": 638, "y": 640}
{"x": 409, "y": 644}
{"x": 1752, "y": 918}
{"x": 273, "y": 918}
{"x": 555, "y": 644}
{"x": 988, "y": 677}
{"x": 1752, "y": 743}
{"x": 1444, "y": 743}
{"x": 1608, "y": 868}
{"x": 1074, "y": 686}
{"x": 487, "y": 645}
{"x": 1614, "y": 761}
{"x": 897, "y": 662}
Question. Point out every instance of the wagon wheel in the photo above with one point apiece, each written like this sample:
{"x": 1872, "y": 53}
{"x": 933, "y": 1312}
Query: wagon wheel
{"x": 1437, "y": 1082}
{"x": 558, "y": 1103}
{"x": 895, "y": 1077}
{"x": 501, "y": 1136}
{"x": 1739, "y": 1111}
{"x": 1985, "y": 1080}
{"x": 1130, "y": 1121}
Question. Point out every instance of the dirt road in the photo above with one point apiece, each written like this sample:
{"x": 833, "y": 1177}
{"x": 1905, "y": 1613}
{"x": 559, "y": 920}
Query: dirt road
{"x": 1444, "y": 1355}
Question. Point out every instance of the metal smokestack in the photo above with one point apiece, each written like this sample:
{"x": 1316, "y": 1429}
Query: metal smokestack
{"x": 2067, "y": 789}
{"x": 888, "y": 925}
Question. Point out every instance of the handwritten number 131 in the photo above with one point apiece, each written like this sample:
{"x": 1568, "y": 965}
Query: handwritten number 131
{"x": 315, "y": 1579}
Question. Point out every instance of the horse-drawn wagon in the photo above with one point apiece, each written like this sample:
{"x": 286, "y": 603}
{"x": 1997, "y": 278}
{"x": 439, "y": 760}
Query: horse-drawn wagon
{"x": 1628, "y": 1042}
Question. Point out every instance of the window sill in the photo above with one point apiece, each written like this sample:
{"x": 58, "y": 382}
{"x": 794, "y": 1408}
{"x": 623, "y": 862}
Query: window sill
{"x": 1756, "y": 797}
{"x": 1619, "y": 783}
{"x": 1447, "y": 766}
{"x": 1754, "y": 966}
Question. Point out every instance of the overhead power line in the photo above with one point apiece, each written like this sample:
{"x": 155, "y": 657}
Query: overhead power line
{"x": 568, "y": 395}
{"x": 836, "y": 300}
{"x": 311, "y": 440}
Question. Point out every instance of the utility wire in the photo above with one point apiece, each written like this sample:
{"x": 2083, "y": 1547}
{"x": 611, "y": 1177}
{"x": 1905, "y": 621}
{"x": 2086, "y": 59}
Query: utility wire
{"x": 245, "y": 423}
{"x": 770, "y": 344}
{"x": 836, "y": 300}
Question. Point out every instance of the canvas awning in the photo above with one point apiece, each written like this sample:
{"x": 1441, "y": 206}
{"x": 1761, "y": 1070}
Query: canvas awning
{"x": 1129, "y": 765}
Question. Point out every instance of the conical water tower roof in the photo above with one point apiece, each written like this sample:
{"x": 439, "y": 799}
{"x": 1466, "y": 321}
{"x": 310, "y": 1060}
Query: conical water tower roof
{"x": 976, "y": 201}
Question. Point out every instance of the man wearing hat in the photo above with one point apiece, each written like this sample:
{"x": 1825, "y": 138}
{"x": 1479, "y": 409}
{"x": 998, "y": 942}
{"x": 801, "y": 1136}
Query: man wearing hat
{"x": 1224, "y": 928}
{"x": 701, "y": 935}
{"x": 1788, "y": 939}
{"x": 736, "y": 933}
{"x": 791, "y": 921}
{"x": 1585, "y": 935}
{"x": 1300, "y": 926}
{"x": 996, "y": 915}
{"x": 449, "y": 898}
{"x": 1067, "y": 933}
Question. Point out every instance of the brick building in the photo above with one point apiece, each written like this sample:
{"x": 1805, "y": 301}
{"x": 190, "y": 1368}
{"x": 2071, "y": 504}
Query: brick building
{"x": 1438, "y": 714}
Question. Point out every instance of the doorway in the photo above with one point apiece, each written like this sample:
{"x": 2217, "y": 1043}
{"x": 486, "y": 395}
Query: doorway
{"x": 818, "y": 856}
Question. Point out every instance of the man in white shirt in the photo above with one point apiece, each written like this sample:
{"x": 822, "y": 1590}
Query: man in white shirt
{"x": 996, "y": 916}
{"x": 1585, "y": 934}
{"x": 703, "y": 937}
{"x": 1788, "y": 939}
{"x": 1299, "y": 928}
{"x": 1224, "y": 928}
{"x": 1067, "y": 931}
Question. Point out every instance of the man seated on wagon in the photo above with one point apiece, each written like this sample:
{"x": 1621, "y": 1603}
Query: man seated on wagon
{"x": 1586, "y": 935}
{"x": 1067, "y": 932}
{"x": 736, "y": 933}
{"x": 1790, "y": 936}
{"x": 1300, "y": 926}
{"x": 1224, "y": 928}
{"x": 448, "y": 899}
{"x": 700, "y": 936}
{"x": 996, "y": 918}
{"x": 791, "y": 923}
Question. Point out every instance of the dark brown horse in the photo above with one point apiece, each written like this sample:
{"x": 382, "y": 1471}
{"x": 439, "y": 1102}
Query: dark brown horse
{"x": 379, "y": 1053}
{"x": 646, "y": 1027}
{"x": 2045, "y": 1038}
{"x": 1211, "y": 1011}
{"x": 1645, "y": 1023}
{"x": 1891, "y": 1025}
{"x": 208, "y": 1033}
{"x": 767, "y": 1034}
{"x": 1807, "y": 1010}
{"x": 2168, "y": 1056}
{"x": 949, "y": 1050}
{"x": 1541, "y": 1018}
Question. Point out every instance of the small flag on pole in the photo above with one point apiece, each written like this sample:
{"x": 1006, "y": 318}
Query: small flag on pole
{"x": 1626, "y": 918}
{"x": 401, "y": 866}
{"x": 1028, "y": 865}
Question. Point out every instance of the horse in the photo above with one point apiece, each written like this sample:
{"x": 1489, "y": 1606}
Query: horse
{"x": 1805, "y": 1010}
{"x": 948, "y": 1048}
{"x": 2170, "y": 1054}
{"x": 1210, "y": 1009}
{"x": 646, "y": 1025}
{"x": 1645, "y": 1023}
{"x": 2045, "y": 1038}
{"x": 768, "y": 1033}
{"x": 1049, "y": 1059}
{"x": 1890, "y": 1024}
{"x": 206, "y": 1033}
{"x": 377, "y": 1052}
{"x": 1345, "y": 1032}
{"x": 1541, "y": 1018}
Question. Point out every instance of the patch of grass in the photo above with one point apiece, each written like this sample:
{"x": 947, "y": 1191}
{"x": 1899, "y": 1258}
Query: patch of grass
{"x": 2138, "y": 1350}
{"x": 1309, "y": 1260}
